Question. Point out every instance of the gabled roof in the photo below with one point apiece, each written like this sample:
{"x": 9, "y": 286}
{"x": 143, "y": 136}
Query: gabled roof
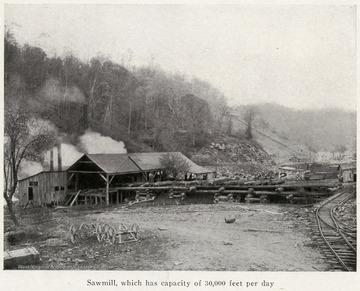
{"x": 152, "y": 161}
{"x": 115, "y": 163}
{"x": 106, "y": 163}
{"x": 347, "y": 166}
{"x": 45, "y": 170}
{"x": 129, "y": 163}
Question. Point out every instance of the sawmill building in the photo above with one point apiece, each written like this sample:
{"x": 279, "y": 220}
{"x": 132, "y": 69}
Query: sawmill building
{"x": 94, "y": 177}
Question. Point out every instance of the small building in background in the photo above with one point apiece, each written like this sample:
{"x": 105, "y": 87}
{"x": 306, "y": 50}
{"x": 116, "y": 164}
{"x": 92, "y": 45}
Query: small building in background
{"x": 347, "y": 172}
{"x": 322, "y": 171}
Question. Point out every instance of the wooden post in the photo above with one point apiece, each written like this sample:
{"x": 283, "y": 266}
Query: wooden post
{"x": 107, "y": 190}
{"x": 75, "y": 198}
{"x": 117, "y": 197}
{"x": 121, "y": 196}
{"x": 76, "y": 181}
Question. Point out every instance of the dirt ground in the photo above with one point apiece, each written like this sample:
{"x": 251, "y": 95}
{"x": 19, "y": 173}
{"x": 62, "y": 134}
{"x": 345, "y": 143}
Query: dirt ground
{"x": 264, "y": 237}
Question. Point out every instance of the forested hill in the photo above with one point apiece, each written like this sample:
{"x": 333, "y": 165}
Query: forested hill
{"x": 145, "y": 107}
{"x": 319, "y": 130}
{"x": 150, "y": 109}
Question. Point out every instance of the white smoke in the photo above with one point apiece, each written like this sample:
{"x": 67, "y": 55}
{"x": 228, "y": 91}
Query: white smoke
{"x": 95, "y": 143}
{"x": 90, "y": 142}
{"x": 29, "y": 168}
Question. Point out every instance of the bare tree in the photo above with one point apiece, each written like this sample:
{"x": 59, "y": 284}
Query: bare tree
{"x": 250, "y": 114}
{"x": 25, "y": 139}
{"x": 196, "y": 115}
{"x": 175, "y": 164}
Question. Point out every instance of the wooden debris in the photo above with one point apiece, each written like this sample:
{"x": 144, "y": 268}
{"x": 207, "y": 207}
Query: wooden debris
{"x": 264, "y": 230}
{"x": 21, "y": 257}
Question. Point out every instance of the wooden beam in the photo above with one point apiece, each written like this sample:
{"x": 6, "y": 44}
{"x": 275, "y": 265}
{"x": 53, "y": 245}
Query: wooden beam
{"x": 154, "y": 188}
{"x": 77, "y": 182}
{"x": 87, "y": 172}
{"x": 107, "y": 190}
{"x": 71, "y": 176}
{"x": 75, "y": 198}
{"x": 226, "y": 192}
{"x": 245, "y": 187}
{"x": 105, "y": 178}
{"x": 112, "y": 177}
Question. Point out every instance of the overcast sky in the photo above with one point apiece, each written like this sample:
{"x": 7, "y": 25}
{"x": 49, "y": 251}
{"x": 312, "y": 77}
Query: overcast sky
{"x": 298, "y": 56}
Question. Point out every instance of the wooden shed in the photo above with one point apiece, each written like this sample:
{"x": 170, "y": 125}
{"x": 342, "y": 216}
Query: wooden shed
{"x": 44, "y": 188}
{"x": 347, "y": 172}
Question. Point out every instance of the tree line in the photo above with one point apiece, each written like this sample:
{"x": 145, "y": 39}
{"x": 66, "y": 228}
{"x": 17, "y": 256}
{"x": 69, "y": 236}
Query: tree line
{"x": 134, "y": 104}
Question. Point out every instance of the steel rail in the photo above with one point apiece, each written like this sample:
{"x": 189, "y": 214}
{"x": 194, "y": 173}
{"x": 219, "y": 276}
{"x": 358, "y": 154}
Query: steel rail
{"x": 337, "y": 225}
{"x": 337, "y": 230}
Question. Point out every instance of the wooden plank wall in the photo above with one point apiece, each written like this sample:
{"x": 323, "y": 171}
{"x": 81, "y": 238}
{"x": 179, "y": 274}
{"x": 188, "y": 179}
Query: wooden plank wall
{"x": 44, "y": 192}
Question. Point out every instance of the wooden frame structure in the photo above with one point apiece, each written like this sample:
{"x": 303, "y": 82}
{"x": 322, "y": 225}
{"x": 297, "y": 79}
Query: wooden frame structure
{"x": 105, "y": 166}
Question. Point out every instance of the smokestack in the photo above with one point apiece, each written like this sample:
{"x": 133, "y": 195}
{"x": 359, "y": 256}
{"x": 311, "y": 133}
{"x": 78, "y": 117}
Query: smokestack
{"x": 59, "y": 157}
{"x": 51, "y": 160}
{"x": 85, "y": 117}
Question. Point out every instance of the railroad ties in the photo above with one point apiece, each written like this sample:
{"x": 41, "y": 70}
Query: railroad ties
{"x": 336, "y": 239}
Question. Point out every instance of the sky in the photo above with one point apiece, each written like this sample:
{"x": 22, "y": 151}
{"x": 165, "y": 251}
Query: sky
{"x": 299, "y": 56}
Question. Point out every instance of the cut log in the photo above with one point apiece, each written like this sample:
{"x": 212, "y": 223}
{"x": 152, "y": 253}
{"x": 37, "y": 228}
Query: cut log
{"x": 264, "y": 230}
{"x": 253, "y": 199}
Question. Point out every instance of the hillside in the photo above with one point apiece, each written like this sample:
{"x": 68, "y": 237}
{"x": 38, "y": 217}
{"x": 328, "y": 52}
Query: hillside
{"x": 302, "y": 133}
{"x": 149, "y": 109}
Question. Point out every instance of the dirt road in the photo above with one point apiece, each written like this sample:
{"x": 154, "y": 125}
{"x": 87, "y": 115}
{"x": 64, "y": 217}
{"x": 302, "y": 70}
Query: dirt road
{"x": 186, "y": 237}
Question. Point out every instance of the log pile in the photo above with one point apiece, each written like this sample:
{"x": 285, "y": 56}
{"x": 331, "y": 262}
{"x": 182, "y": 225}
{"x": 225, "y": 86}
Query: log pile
{"x": 143, "y": 195}
{"x": 175, "y": 194}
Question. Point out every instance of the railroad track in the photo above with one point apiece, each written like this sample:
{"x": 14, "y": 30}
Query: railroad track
{"x": 339, "y": 239}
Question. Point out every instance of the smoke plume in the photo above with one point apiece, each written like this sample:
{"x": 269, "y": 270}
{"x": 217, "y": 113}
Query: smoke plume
{"x": 94, "y": 143}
